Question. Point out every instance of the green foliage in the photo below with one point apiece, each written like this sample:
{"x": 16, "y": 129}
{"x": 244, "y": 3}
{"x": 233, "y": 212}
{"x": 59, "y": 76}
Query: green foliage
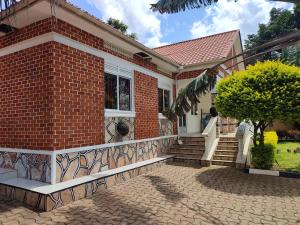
{"x": 119, "y": 25}
{"x": 282, "y": 21}
{"x": 264, "y": 92}
{"x": 271, "y": 138}
{"x": 263, "y": 157}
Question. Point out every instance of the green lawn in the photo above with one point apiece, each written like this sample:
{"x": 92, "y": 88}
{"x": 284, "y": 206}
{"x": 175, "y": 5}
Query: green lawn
{"x": 287, "y": 161}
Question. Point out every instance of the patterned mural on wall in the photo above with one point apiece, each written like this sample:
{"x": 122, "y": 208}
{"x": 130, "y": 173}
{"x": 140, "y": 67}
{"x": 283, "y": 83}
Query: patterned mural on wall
{"x": 78, "y": 164}
{"x": 29, "y": 166}
{"x": 111, "y": 134}
{"x": 165, "y": 127}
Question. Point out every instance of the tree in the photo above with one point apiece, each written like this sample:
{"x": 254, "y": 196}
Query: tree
{"x": 119, "y": 25}
{"x": 263, "y": 93}
{"x": 205, "y": 81}
{"x": 175, "y": 6}
{"x": 281, "y": 22}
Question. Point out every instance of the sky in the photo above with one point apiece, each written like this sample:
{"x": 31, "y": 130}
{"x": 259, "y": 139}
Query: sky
{"x": 154, "y": 29}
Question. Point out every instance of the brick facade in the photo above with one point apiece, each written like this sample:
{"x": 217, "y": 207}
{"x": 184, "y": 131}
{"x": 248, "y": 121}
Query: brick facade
{"x": 146, "y": 106}
{"x": 78, "y": 98}
{"x": 188, "y": 74}
{"x": 52, "y": 96}
{"x": 25, "y": 98}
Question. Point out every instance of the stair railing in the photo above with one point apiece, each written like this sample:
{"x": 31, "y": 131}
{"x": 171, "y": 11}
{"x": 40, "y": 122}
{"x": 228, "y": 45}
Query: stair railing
{"x": 244, "y": 134}
{"x": 211, "y": 141}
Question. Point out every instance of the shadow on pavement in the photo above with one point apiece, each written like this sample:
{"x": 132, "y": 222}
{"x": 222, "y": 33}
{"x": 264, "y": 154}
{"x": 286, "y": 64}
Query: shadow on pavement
{"x": 231, "y": 180}
{"x": 167, "y": 189}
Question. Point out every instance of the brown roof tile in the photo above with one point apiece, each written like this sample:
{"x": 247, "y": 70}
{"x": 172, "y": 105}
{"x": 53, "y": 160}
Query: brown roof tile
{"x": 200, "y": 50}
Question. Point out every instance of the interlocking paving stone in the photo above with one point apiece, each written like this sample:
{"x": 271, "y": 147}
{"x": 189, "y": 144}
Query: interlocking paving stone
{"x": 174, "y": 194}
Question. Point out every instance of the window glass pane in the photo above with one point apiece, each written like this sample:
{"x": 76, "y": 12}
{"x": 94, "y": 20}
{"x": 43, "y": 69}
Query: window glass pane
{"x": 166, "y": 100}
{"x": 111, "y": 93}
{"x": 194, "y": 110}
{"x": 160, "y": 100}
{"x": 124, "y": 94}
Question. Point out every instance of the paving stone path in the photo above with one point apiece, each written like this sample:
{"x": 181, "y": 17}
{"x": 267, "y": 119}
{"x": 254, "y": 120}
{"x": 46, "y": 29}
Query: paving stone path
{"x": 174, "y": 194}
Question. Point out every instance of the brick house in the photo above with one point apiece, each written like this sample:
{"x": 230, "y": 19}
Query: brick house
{"x": 68, "y": 81}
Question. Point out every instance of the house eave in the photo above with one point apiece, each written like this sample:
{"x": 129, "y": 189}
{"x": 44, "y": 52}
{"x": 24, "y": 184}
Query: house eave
{"x": 24, "y": 5}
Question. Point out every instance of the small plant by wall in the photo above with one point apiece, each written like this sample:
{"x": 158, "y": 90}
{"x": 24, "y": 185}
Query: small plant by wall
{"x": 263, "y": 156}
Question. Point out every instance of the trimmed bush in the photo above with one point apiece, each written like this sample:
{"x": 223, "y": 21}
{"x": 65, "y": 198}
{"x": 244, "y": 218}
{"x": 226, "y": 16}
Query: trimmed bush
{"x": 271, "y": 138}
{"x": 263, "y": 156}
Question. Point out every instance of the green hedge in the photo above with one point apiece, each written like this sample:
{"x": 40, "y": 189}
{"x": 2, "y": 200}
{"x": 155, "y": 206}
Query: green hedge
{"x": 263, "y": 156}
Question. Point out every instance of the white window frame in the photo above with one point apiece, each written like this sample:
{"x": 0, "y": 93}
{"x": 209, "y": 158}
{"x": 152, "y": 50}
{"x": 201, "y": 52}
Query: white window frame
{"x": 123, "y": 73}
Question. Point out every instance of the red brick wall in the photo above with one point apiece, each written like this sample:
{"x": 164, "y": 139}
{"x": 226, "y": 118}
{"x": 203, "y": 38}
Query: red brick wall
{"x": 78, "y": 98}
{"x": 146, "y": 106}
{"x": 188, "y": 74}
{"x": 66, "y": 29}
{"x": 51, "y": 97}
{"x": 25, "y": 98}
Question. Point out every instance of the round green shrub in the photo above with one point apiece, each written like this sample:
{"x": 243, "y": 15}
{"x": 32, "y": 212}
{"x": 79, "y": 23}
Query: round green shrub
{"x": 263, "y": 156}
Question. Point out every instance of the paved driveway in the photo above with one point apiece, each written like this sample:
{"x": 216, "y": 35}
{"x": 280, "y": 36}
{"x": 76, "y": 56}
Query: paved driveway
{"x": 178, "y": 195}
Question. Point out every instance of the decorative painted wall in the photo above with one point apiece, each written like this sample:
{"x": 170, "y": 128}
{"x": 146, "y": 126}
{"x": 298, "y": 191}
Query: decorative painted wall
{"x": 77, "y": 164}
{"x": 29, "y": 166}
{"x": 165, "y": 127}
{"x": 111, "y": 134}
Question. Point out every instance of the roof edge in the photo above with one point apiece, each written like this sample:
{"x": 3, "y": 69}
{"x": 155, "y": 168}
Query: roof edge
{"x": 96, "y": 21}
{"x": 212, "y": 35}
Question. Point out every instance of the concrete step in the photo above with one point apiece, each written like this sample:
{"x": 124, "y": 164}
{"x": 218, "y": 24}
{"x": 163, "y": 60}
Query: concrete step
{"x": 193, "y": 142}
{"x": 188, "y": 147}
{"x": 226, "y": 152}
{"x": 225, "y": 157}
{"x": 223, "y": 163}
{"x": 233, "y": 148}
{"x": 6, "y": 174}
{"x": 187, "y": 154}
{"x": 228, "y": 139}
{"x": 228, "y": 143}
{"x": 186, "y": 159}
{"x": 193, "y": 139}
{"x": 193, "y": 151}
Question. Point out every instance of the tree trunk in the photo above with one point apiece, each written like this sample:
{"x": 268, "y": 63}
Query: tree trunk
{"x": 255, "y": 133}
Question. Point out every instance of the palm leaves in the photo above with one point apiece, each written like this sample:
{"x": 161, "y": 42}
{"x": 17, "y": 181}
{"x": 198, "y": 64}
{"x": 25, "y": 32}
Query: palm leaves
{"x": 6, "y": 6}
{"x": 189, "y": 95}
{"x": 174, "y": 6}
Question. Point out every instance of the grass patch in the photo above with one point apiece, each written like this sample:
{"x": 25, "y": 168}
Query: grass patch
{"x": 287, "y": 161}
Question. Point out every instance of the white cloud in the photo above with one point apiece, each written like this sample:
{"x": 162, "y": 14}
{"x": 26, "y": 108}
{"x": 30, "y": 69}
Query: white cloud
{"x": 137, "y": 15}
{"x": 229, "y": 15}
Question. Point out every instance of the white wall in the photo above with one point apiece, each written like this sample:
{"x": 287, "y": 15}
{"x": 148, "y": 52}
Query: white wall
{"x": 193, "y": 122}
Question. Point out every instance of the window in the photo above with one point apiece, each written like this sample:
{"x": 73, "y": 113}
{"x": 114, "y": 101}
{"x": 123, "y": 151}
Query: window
{"x": 163, "y": 100}
{"x": 194, "y": 110}
{"x": 117, "y": 92}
